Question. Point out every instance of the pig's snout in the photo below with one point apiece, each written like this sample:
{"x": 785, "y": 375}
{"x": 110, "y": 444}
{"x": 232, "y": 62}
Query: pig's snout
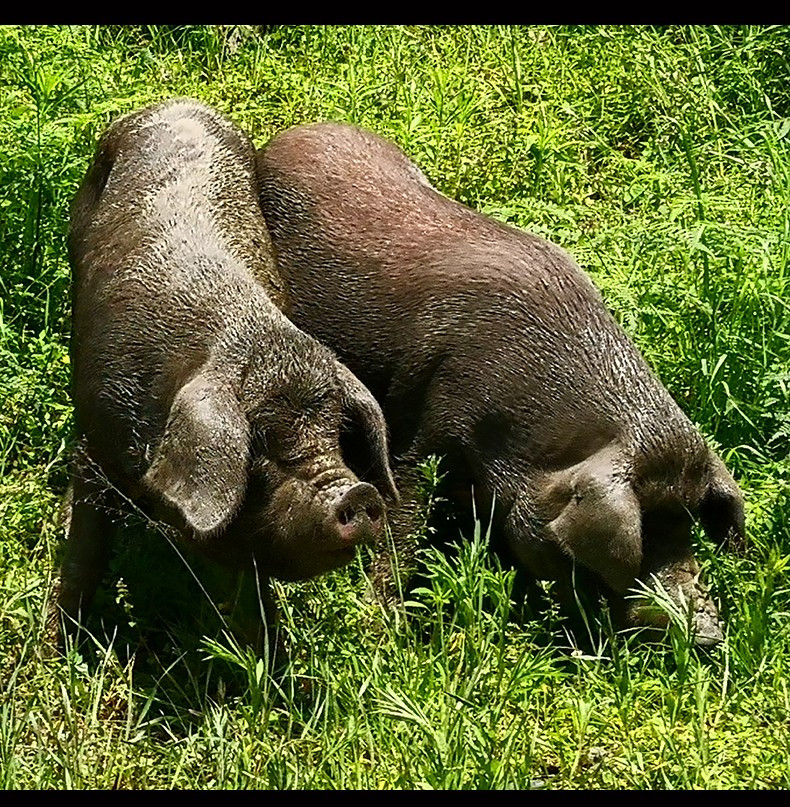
{"x": 681, "y": 581}
{"x": 358, "y": 514}
{"x": 707, "y": 627}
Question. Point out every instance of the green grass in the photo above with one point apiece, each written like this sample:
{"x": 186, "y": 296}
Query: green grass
{"x": 659, "y": 157}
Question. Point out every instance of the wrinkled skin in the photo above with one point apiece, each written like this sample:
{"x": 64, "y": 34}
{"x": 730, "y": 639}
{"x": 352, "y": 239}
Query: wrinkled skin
{"x": 489, "y": 346}
{"x": 195, "y": 398}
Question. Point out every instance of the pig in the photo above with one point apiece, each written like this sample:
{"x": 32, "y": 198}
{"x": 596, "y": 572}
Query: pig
{"x": 196, "y": 400}
{"x": 490, "y": 347}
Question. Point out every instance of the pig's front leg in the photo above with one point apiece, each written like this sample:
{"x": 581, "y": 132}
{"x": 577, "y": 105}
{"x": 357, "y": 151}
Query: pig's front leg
{"x": 251, "y": 612}
{"x": 89, "y": 530}
{"x": 395, "y": 559}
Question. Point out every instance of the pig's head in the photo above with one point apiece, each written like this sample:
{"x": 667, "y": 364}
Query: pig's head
{"x": 252, "y": 466}
{"x": 627, "y": 515}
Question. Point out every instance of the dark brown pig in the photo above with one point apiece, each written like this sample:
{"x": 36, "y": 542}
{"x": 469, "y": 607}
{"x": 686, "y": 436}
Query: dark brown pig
{"x": 195, "y": 397}
{"x": 489, "y": 346}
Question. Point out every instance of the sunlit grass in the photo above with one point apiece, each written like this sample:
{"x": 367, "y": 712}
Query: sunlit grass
{"x": 659, "y": 158}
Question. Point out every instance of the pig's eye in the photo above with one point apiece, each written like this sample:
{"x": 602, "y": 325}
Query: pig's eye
{"x": 292, "y": 460}
{"x": 279, "y": 444}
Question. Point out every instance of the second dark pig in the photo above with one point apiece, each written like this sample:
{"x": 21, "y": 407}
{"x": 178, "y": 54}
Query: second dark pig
{"x": 489, "y": 346}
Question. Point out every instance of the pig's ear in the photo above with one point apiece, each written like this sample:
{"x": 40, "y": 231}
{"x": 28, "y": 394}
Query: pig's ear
{"x": 721, "y": 509}
{"x": 591, "y": 512}
{"x": 366, "y": 413}
{"x": 200, "y": 466}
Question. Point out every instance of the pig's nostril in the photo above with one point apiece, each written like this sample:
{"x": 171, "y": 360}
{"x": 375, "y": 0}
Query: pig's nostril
{"x": 373, "y": 511}
{"x": 358, "y": 511}
{"x": 347, "y": 514}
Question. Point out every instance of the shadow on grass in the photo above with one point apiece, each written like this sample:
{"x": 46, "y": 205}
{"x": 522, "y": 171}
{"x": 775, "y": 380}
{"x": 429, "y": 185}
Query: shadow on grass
{"x": 170, "y": 619}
